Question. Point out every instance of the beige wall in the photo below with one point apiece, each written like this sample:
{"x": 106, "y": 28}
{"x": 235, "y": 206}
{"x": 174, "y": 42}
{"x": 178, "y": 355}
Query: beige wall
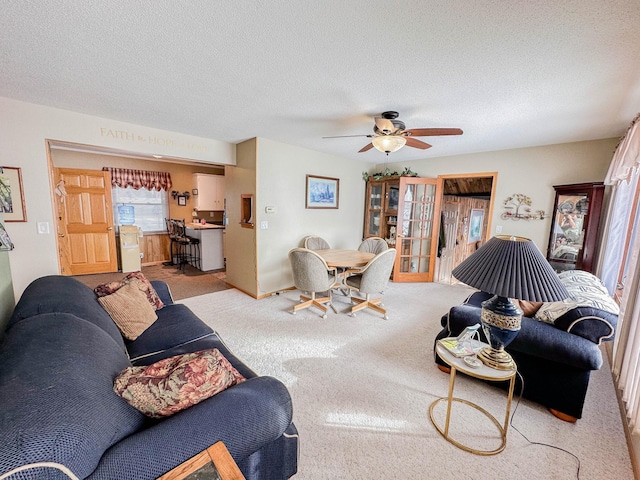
{"x": 24, "y": 127}
{"x": 281, "y": 171}
{"x": 530, "y": 171}
{"x": 240, "y": 242}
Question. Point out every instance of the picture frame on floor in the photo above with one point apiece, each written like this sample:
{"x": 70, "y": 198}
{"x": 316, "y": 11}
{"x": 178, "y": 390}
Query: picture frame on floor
{"x": 214, "y": 463}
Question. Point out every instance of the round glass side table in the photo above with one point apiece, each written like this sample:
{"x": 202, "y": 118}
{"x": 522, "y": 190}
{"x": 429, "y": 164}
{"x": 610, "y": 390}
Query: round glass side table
{"x": 482, "y": 372}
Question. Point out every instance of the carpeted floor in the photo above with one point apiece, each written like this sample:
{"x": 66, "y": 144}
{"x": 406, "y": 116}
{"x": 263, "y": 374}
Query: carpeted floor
{"x": 362, "y": 387}
{"x": 183, "y": 284}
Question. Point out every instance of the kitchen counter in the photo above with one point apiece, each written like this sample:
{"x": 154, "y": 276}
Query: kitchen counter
{"x": 211, "y": 244}
{"x": 199, "y": 226}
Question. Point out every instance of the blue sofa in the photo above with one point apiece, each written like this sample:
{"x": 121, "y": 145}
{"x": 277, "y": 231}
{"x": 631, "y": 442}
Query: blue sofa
{"x": 59, "y": 356}
{"x": 555, "y": 361}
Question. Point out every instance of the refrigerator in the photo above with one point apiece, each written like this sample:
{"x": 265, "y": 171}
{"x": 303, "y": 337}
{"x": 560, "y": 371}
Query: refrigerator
{"x": 129, "y": 248}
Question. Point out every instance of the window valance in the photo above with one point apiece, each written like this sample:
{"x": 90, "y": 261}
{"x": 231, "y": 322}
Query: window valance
{"x": 136, "y": 179}
{"x": 626, "y": 158}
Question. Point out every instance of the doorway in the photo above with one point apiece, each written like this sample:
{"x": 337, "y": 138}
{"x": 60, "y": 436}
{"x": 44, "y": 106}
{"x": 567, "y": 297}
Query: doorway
{"x": 465, "y": 219}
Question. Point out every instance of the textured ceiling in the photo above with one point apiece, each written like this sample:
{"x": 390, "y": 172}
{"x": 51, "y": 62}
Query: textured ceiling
{"x": 509, "y": 73}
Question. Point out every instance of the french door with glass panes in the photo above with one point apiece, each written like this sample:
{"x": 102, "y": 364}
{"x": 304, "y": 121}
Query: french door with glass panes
{"x": 418, "y": 223}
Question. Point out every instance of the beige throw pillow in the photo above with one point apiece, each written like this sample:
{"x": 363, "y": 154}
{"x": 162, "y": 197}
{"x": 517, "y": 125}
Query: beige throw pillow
{"x": 129, "y": 308}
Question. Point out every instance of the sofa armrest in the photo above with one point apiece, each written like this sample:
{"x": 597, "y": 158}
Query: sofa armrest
{"x": 591, "y": 323}
{"x": 163, "y": 291}
{"x": 245, "y": 417}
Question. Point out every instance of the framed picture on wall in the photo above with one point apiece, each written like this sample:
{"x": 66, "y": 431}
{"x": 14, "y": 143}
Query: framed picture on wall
{"x": 322, "y": 192}
{"x": 475, "y": 225}
{"x": 12, "y": 195}
{"x": 182, "y": 200}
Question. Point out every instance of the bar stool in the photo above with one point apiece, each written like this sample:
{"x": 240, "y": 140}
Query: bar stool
{"x": 189, "y": 247}
{"x": 174, "y": 247}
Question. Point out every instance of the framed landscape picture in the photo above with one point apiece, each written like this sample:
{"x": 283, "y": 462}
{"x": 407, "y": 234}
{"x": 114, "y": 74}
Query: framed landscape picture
{"x": 12, "y": 195}
{"x": 322, "y": 192}
{"x": 475, "y": 225}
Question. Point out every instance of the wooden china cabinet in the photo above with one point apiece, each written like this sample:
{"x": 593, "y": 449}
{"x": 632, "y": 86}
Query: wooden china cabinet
{"x": 574, "y": 230}
{"x": 381, "y": 209}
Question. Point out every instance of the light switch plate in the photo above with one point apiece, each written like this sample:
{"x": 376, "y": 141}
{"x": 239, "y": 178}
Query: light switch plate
{"x": 43, "y": 228}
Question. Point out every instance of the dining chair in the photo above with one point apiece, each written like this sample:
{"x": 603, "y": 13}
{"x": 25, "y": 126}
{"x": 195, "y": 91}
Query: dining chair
{"x": 313, "y": 242}
{"x": 312, "y": 275}
{"x": 372, "y": 279}
{"x": 373, "y": 245}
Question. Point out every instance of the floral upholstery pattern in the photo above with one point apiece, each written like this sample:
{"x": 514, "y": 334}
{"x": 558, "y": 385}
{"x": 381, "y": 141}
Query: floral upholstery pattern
{"x": 105, "y": 289}
{"x": 176, "y": 383}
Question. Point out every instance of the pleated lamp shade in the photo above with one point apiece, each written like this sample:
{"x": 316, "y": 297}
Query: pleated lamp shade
{"x": 511, "y": 267}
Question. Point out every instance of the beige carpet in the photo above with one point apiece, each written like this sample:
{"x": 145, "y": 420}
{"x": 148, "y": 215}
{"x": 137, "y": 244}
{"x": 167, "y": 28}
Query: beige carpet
{"x": 362, "y": 388}
{"x": 183, "y": 284}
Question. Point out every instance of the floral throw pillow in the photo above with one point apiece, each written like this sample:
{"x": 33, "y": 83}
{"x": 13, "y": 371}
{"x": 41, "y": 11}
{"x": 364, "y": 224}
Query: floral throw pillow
{"x": 175, "y": 383}
{"x": 105, "y": 289}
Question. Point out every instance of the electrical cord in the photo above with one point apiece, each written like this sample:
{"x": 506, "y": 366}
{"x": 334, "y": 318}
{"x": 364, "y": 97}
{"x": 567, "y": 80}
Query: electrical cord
{"x": 538, "y": 443}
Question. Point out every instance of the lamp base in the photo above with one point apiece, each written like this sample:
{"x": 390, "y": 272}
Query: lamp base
{"x": 496, "y": 358}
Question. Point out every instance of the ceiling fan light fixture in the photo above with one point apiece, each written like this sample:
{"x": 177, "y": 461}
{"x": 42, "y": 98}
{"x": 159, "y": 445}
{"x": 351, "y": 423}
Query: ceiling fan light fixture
{"x": 389, "y": 143}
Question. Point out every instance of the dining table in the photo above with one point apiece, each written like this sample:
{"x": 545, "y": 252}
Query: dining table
{"x": 344, "y": 259}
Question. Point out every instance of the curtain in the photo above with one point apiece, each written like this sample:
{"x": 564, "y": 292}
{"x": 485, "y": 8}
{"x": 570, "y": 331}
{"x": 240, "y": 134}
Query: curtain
{"x": 623, "y": 176}
{"x": 627, "y": 155}
{"x": 137, "y": 179}
{"x": 616, "y": 226}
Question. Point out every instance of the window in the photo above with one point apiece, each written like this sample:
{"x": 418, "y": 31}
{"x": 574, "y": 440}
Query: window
{"x": 151, "y": 207}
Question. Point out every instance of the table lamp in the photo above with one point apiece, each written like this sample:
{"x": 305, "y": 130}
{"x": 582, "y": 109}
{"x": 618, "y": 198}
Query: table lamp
{"x": 507, "y": 267}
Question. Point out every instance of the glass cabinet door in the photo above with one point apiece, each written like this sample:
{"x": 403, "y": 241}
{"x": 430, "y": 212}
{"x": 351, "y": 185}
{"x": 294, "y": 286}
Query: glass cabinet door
{"x": 374, "y": 208}
{"x": 567, "y": 235}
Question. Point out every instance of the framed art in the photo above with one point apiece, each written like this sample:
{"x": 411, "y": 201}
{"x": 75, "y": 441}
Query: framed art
{"x": 12, "y": 195}
{"x": 475, "y": 225}
{"x": 322, "y": 192}
{"x": 214, "y": 463}
{"x": 194, "y": 191}
{"x": 182, "y": 200}
{"x": 5, "y": 240}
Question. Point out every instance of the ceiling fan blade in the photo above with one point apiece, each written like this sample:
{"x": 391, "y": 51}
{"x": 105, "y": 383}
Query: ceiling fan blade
{"x": 432, "y": 132}
{"x": 366, "y": 148}
{"x": 415, "y": 143}
{"x": 385, "y": 125}
{"x": 345, "y": 136}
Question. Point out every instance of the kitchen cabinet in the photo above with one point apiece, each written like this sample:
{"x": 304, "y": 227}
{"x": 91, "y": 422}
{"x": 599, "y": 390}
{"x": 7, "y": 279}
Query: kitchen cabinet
{"x": 210, "y": 191}
{"x": 574, "y": 230}
{"x": 381, "y": 209}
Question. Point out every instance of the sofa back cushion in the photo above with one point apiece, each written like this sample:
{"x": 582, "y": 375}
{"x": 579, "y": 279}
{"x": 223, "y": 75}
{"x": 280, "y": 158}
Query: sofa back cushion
{"x": 57, "y": 293}
{"x": 56, "y": 392}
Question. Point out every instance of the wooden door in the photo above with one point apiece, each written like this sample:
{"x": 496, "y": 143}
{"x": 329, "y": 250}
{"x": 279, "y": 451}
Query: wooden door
{"x": 86, "y": 239}
{"x": 417, "y": 234}
{"x": 449, "y": 229}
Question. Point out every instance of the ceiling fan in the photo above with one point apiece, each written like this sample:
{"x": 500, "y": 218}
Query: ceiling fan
{"x": 391, "y": 134}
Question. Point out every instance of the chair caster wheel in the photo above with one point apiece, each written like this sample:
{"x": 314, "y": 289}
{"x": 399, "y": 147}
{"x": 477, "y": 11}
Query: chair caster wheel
{"x": 294, "y": 312}
{"x": 382, "y": 304}
{"x": 324, "y": 316}
{"x": 386, "y": 317}
{"x": 352, "y": 314}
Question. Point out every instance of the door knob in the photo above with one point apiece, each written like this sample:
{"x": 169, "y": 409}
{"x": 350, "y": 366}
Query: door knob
{"x": 109, "y": 228}
{"x": 61, "y": 234}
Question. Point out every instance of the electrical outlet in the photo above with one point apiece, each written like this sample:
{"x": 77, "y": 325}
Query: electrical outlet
{"x": 264, "y": 225}
{"x": 498, "y": 228}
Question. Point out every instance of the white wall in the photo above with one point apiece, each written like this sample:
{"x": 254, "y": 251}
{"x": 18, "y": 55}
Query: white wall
{"x": 529, "y": 171}
{"x": 281, "y": 173}
{"x": 23, "y": 130}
